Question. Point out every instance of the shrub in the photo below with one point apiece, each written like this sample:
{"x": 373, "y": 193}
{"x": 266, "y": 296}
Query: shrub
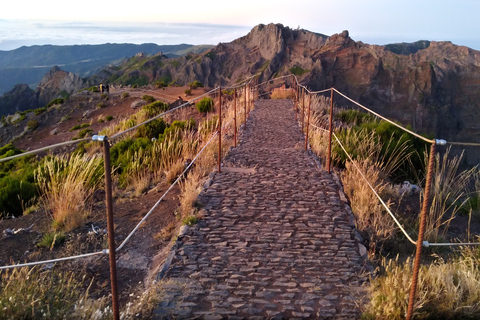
{"x": 189, "y": 221}
{"x": 39, "y": 111}
{"x": 79, "y": 126}
{"x": 109, "y": 118}
{"x": 188, "y": 92}
{"x": 155, "y": 108}
{"x": 148, "y": 98}
{"x": 101, "y": 105}
{"x": 92, "y": 89}
{"x": 195, "y": 84}
{"x": 125, "y": 95}
{"x": 205, "y": 105}
{"x": 160, "y": 84}
{"x": 55, "y": 101}
{"x": 152, "y": 129}
{"x": 32, "y": 124}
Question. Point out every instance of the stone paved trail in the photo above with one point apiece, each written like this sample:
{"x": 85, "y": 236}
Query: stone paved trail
{"x": 276, "y": 242}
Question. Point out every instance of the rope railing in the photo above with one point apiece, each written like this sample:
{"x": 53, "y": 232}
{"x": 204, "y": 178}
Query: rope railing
{"x": 419, "y": 243}
{"x": 250, "y": 87}
{"x": 112, "y": 250}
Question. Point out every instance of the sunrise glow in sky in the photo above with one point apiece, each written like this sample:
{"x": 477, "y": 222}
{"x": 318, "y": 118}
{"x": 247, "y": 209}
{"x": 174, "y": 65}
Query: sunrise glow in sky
{"x": 29, "y": 22}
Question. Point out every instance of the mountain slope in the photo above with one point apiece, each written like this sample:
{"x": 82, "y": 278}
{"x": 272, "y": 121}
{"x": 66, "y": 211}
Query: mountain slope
{"x": 432, "y": 86}
{"x": 29, "y": 64}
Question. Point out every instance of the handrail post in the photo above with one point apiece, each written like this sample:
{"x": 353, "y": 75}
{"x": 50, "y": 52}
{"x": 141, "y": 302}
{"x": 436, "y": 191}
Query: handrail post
{"x": 219, "y": 128}
{"x": 421, "y": 232}
{"x": 235, "y": 117}
{"x": 245, "y": 107}
{"x": 294, "y": 92}
{"x": 110, "y": 227}
{"x": 330, "y": 132}
{"x": 303, "y": 110}
{"x": 308, "y": 120}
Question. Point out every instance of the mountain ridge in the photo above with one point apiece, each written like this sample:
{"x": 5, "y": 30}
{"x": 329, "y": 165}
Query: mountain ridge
{"x": 29, "y": 64}
{"x": 432, "y": 86}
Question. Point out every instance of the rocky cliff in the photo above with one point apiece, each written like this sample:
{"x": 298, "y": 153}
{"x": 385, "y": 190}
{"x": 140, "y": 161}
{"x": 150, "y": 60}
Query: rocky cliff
{"x": 56, "y": 83}
{"x": 431, "y": 86}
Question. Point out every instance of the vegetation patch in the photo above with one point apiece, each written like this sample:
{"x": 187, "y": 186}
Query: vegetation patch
{"x": 298, "y": 71}
{"x": 205, "y": 105}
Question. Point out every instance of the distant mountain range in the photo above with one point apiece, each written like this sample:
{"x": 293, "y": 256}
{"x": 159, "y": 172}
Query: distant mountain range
{"x": 29, "y": 64}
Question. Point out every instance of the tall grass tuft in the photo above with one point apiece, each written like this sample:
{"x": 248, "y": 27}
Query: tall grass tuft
{"x": 67, "y": 185}
{"x": 449, "y": 193}
{"x": 446, "y": 289}
{"x": 33, "y": 294}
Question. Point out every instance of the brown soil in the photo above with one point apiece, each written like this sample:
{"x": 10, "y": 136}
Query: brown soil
{"x": 139, "y": 260}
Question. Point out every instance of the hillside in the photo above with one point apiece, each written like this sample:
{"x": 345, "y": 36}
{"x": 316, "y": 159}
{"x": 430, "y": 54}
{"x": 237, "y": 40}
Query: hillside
{"x": 431, "y": 86}
{"x": 29, "y": 64}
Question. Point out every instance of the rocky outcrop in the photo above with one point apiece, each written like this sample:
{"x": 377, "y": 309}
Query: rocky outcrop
{"x": 56, "y": 83}
{"x": 20, "y": 98}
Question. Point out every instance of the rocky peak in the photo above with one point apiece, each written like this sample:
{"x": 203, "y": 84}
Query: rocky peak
{"x": 56, "y": 81}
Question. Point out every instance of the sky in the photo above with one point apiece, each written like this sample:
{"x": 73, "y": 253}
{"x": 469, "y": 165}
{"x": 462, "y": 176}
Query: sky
{"x": 33, "y": 22}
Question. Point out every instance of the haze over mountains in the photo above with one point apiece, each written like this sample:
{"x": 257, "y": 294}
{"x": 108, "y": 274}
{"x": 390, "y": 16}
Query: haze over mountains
{"x": 29, "y": 64}
{"x": 432, "y": 86}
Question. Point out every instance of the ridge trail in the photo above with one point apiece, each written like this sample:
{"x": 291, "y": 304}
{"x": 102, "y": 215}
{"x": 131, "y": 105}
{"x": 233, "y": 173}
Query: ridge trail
{"x": 276, "y": 242}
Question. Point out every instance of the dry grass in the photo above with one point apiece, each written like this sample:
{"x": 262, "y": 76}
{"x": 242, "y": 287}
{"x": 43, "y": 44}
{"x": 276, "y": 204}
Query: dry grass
{"x": 67, "y": 185}
{"x": 34, "y": 294}
{"x": 446, "y": 289}
{"x": 190, "y": 189}
{"x": 282, "y": 93}
{"x": 449, "y": 193}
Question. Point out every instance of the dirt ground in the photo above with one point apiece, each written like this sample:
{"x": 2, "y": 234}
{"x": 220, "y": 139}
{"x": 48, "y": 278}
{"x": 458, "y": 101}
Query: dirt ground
{"x": 139, "y": 260}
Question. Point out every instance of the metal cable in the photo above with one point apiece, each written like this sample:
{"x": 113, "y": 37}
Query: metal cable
{"x": 424, "y": 243}
{"x": 375, "y": 192}
{"x": 161, "y": 115}
{"x": 382, "y": 117}
{"x": 105, "y": 251}
{"x": 168, "y": 190}
{"x": 66, "y": 143}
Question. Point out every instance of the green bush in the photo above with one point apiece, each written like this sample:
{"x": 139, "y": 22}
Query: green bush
{"x": 101, "y": 105}
{"x": 79, "y": 126}
{"x": 205, "y": 105}
{"x": 148, "y": 98}
{"x": 55, "y": 101}
{"x": 188, "y": 92}
{"x": 83, "y": 133}
{"x": 152, "y": 129}
{"x": 17, "y": 187}
{"x": 39, "y": 110}
{"x": 160, "y": 84}
{"x": 195, "y": 84}
{"x": 177, "y": 127}
{"x": 125, "y": 95}
{"x": 109, "y": 118}
{"x": 121, "y": 155}
{"x": 32, "y": 124}
{"x": 155, "y": 108}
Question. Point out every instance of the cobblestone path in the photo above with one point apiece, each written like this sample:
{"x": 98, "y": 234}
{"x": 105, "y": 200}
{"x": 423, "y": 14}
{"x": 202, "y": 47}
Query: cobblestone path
{"x": 276, "y": 242}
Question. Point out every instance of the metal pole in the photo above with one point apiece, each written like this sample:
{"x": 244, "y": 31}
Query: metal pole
{"x": 235, "y": 117}
{"x": 219, "y": 128}
{"x": 330, "y": 131}
{"x": 296, "y": 102}
{"x": 308, "y": 121}
{"x": 245, "y": 107}
{"x": 110, "y": 228}
{"x": 421, "y": 232}
{"x": 303, "y": 110}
